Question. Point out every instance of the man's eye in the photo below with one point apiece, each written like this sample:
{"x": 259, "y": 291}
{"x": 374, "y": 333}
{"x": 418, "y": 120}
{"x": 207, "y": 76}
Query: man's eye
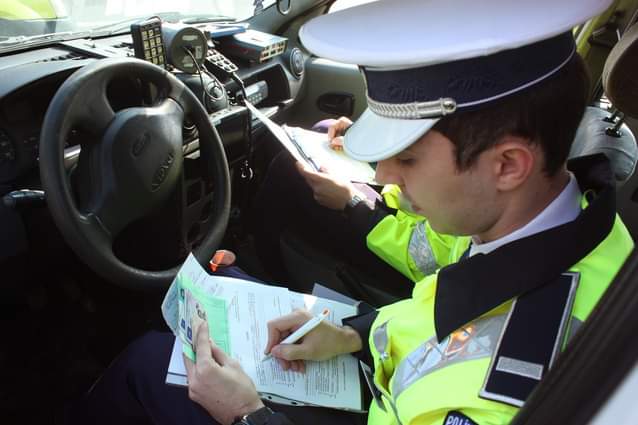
{"x": 406, "y": 162}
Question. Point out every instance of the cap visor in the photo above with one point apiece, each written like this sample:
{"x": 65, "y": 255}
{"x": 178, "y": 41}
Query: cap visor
{"x": 374, "y": 138}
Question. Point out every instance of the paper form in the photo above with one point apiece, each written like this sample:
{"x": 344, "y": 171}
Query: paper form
{"x": 337, "y": 162}
{"x": 313, "y": 148}
{"x": 279, "y": 133}
{"x": 248, "y": 307}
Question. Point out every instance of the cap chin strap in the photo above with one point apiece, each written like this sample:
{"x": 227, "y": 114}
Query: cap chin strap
{"x": 413, "y": 110}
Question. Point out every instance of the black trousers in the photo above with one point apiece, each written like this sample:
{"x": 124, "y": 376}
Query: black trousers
{"x": 133, "y": 391}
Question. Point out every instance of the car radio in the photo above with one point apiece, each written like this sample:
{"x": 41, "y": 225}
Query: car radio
{"x": 254, "y": 46}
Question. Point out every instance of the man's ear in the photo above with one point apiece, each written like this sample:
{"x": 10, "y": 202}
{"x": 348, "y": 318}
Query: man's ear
{"x": 513, "y": 162}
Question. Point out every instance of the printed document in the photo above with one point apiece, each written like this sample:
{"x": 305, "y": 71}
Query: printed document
{"x": 313, "y": 148}
{"x": 237, "y": 312}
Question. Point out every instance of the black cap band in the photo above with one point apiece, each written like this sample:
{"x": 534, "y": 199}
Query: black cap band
{"x": 469, "y": 82}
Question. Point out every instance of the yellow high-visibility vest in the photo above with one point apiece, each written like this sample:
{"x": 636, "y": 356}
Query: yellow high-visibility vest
{"x": 422, "y": 380}
{"x": 407, "y": 242}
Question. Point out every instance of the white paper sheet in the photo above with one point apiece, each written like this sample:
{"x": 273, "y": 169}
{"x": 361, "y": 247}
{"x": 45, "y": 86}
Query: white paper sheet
{"x": 333, "y": 383}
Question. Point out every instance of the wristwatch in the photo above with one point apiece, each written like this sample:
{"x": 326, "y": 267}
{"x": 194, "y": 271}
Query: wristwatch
{"x": 353, "y": 202}
{"x": 258, "y": 417}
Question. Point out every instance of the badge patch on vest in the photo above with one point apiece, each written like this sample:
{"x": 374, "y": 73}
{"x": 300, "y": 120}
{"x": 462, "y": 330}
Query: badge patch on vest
{"x": 531, "y": 340}
{"x": 457, "y": 418}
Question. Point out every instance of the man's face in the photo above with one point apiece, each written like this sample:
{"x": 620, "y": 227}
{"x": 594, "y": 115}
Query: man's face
{"x": 455, "y": 202}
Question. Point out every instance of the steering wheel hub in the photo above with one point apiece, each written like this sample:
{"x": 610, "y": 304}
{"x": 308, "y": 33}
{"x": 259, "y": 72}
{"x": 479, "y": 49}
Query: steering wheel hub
{"x": 145, "y": 148}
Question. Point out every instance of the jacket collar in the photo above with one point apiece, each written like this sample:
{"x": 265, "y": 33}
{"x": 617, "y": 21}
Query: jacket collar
{"x": 470, "y": 288}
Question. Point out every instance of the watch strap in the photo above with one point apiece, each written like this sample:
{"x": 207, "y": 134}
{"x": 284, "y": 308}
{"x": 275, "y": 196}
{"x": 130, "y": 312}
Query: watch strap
{"x": 353, "y": 202}
{"x": 258, "y": 417}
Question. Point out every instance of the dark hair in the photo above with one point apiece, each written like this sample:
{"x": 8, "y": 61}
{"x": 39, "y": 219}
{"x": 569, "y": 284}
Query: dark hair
{"x": 547, "y": 114}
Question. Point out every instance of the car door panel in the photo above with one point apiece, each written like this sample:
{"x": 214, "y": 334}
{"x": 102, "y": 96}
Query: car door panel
{"x": 330, "y": 88}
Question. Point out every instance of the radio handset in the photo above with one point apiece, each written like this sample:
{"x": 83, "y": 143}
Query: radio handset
{"x": 148, "y": 43}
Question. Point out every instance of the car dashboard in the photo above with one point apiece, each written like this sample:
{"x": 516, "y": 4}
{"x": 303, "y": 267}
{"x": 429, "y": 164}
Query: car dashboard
{"x": 31, "y": 79}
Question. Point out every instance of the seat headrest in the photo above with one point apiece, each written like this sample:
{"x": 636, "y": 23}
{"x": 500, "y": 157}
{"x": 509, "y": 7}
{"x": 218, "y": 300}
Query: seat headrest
{"x": 619, "y": 74}
{"x": 592, "y": 137}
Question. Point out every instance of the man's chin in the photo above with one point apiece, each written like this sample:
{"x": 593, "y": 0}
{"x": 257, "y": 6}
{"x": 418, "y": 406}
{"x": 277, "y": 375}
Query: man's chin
{"x": 447, "y": 229}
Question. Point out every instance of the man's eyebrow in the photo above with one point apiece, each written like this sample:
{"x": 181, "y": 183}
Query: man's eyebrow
{"x": 409, "y": 151}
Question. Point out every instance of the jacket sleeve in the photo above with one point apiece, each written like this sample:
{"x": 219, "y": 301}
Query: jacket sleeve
{"x": 362, "y": 323}
{"x": 365, "y": 217}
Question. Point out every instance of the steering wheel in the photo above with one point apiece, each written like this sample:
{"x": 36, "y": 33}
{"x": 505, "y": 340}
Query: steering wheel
{"x": 133, "y": 164}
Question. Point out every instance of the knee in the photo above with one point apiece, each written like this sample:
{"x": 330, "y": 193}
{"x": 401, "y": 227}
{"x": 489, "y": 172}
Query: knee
{"x": 146, "y": 359}
{"x": 283, "y": 167}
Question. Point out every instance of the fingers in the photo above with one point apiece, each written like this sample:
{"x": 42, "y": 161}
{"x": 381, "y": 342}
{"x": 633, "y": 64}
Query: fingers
{"x": 285, "y": 364}
{"x": 336, "y": 143}
{"x": 190, "y": 368}
{"x": 298, "y": 366}
{"x": 294, "y": 365}
{"x": 305, "y": 170}
{"x": 291, "y": 351}
{"x": 279, "y": 328}
{"x": 339, "y": 127}
{"x": 314, "y": 177}
{"x": 332, "y": 131}
{"x": 203, "y": 349}
{"x": 218, "y": 354}
{"x": 275, "y": 336}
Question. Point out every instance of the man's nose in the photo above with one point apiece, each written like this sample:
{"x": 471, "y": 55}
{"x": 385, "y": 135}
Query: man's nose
{"x": 387, "y": 172}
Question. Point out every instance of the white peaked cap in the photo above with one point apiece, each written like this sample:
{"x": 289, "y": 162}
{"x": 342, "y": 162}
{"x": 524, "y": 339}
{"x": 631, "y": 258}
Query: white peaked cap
{"x": 410, "y": 51}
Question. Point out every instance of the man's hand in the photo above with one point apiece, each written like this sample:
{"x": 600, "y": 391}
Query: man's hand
{"x": 328, "y": 190}
{"x": 218, "y": 383}
{"x": 336, "y": 132}
{"x": 322, "y": 343}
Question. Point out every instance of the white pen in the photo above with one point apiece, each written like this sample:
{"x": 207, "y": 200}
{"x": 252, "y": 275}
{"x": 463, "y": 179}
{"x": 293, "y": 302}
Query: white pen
{"x": 302, "y": 331}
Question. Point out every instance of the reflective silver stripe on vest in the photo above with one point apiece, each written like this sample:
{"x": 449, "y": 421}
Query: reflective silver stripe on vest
{"x": 477, "y": 340}
{"x": 574, "y": 326}
{"x": 420, "y": 250}
{"x": 380, "y": 340}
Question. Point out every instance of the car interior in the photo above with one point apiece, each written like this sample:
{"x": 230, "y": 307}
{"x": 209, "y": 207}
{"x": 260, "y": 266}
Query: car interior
{"x": 88, "y": 247}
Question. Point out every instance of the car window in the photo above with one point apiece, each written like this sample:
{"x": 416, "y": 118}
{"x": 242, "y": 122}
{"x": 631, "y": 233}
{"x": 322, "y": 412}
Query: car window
{"x": 27, "y": 18}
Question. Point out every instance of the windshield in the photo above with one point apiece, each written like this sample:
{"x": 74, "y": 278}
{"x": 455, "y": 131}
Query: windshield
{"x": 29, "y": 18}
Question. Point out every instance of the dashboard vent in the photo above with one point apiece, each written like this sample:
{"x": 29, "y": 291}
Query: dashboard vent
{"x": 65, "y": 57}
{"x": 123, "y": 45}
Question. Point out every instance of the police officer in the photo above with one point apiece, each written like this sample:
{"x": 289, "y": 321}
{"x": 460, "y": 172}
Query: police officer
{"x": 471, "y": 113}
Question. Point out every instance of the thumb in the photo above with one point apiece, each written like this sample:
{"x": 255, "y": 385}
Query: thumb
{"x": 218, "y": 354}
{"x": 290, "y": 351}
{"x": 302, "y": 168}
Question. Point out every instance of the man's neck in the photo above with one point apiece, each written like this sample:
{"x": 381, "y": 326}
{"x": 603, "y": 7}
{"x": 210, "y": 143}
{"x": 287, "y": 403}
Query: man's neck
{"x": 525, "y": 205}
